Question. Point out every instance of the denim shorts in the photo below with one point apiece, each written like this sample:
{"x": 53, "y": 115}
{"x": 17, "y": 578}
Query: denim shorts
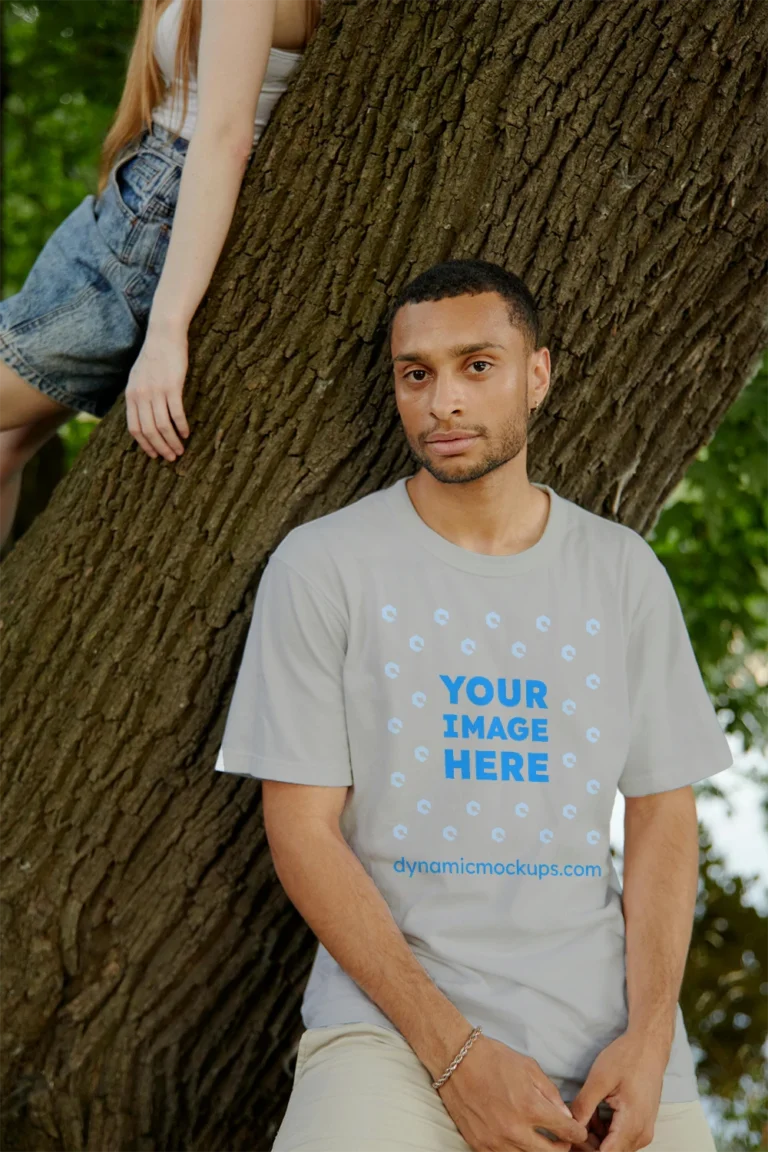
{"x": 75, "y": 328}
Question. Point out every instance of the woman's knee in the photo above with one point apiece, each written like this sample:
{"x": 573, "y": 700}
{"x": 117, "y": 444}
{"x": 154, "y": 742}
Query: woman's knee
{"x": 23, "y": 406}
{"x": 19, "y": 445}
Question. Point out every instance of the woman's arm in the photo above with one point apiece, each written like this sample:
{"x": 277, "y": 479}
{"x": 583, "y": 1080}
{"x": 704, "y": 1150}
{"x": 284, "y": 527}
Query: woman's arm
{"x": 235, "y": 39}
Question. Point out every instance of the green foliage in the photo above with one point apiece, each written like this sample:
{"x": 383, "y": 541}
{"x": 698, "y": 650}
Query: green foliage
{"x": 76, "y": 433}
{"x": 63, "y": 74}
{"x": 723, "y": 997}
{"x": 712, "y": 536}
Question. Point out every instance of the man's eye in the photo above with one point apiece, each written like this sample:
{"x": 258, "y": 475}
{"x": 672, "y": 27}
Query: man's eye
{"x": 480, "y": 362}
{"x": 417, "y": 374}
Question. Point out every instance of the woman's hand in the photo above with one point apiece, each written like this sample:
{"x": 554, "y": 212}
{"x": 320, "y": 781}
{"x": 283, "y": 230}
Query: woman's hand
{"x": 153, "y": 393}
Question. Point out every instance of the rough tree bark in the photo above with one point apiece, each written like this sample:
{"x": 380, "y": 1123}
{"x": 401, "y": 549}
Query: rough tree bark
{"x": 611, "y": 155}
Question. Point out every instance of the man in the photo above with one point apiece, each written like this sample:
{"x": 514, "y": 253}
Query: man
{"x": 442, "y": 687}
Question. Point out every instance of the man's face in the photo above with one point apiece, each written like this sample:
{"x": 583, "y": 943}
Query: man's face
{"x": 460, "y": 365}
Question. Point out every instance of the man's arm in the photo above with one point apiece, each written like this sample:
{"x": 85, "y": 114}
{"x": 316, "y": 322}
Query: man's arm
{"x": 497, "y": 1095}
{"x": 661, "y": 864}
{"x": 337, "y": 898}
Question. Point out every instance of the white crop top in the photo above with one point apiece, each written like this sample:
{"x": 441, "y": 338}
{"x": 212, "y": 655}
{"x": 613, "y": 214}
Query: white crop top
{"x": 280, "y": 64}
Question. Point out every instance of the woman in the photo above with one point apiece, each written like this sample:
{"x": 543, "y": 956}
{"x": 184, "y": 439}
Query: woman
{"x": 108, "y": 302}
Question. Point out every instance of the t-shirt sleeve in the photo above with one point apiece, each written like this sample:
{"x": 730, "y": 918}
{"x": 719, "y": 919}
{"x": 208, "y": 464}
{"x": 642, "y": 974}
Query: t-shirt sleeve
{"x": 287, "y": 720}
{"x": 675, "y": 735}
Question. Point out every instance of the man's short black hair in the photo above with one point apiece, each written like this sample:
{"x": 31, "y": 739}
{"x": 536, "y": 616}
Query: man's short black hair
{"x": 457, "y": 277}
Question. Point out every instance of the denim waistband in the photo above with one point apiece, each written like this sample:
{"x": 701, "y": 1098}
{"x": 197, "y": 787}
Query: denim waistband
{"x": 160, "y": 132}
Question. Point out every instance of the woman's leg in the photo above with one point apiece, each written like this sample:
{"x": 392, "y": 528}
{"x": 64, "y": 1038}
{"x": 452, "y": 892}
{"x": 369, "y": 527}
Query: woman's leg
{"x": 21, "y": 404}
{"x": 28, "y": 418}
{"x": 360, "y": 1088}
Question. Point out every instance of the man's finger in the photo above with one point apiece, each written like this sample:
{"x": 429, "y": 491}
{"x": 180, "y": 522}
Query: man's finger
{"x": 551, "y": 1136}
{"x": 586, "y": 1100}
{"x": 560, "y": 1125}
{"x": 592, "y": 1141}
{"x": 596, "y": 1129}
{"x": 625, "y": 1131}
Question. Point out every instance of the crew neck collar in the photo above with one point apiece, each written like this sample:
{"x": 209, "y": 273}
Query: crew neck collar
{"x": 539, "y": 554}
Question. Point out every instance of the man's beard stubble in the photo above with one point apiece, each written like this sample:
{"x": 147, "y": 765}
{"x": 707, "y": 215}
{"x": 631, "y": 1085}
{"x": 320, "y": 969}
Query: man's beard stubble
{"x": 506, "y": 446}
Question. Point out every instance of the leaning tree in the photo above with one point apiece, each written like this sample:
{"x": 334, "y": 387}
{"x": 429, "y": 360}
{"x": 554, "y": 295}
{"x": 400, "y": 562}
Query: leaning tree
{"x": 610, "y": 154}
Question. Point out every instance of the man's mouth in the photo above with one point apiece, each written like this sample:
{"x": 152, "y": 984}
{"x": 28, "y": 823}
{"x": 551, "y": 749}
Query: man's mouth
{"x": 451, "y": 443}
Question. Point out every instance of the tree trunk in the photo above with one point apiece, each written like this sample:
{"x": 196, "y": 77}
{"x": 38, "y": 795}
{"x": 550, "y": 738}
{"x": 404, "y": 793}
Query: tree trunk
{"x": 610, "y": 154}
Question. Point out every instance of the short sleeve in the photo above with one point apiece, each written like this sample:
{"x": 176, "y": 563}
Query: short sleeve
{"x": 287, "y": 720}
{"x": 675, "y": 735}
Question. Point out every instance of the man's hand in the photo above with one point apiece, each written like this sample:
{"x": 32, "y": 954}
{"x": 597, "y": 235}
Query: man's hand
{"x": 628, "y": 1075}
{"x": 500, "y": 1099}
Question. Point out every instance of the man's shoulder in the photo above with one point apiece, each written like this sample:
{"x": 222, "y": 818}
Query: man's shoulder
{"x": 606, "y": 531}
{"x": 638, "y": 573}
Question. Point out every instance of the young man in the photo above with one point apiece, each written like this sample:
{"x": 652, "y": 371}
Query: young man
{"x": 442, "y": 687}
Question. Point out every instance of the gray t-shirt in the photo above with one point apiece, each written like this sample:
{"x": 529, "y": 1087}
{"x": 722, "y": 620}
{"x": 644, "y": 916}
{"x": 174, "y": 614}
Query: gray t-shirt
{"x": 484, "y": 710}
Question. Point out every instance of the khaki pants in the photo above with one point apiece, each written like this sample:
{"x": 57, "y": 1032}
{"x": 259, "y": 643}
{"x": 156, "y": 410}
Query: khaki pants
{"x": 361, "y": 1088}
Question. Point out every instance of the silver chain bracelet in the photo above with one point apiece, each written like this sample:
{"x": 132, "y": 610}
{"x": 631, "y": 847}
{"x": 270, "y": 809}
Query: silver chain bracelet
{"x": 458, "y": 1058}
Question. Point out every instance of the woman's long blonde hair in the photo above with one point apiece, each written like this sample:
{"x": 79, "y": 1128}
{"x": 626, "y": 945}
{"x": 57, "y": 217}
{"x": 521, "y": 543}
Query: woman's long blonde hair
{"x": 145, "y": 84}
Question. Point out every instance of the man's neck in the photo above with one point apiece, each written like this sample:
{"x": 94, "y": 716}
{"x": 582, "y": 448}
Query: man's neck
{"x": 495, "y": 515}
